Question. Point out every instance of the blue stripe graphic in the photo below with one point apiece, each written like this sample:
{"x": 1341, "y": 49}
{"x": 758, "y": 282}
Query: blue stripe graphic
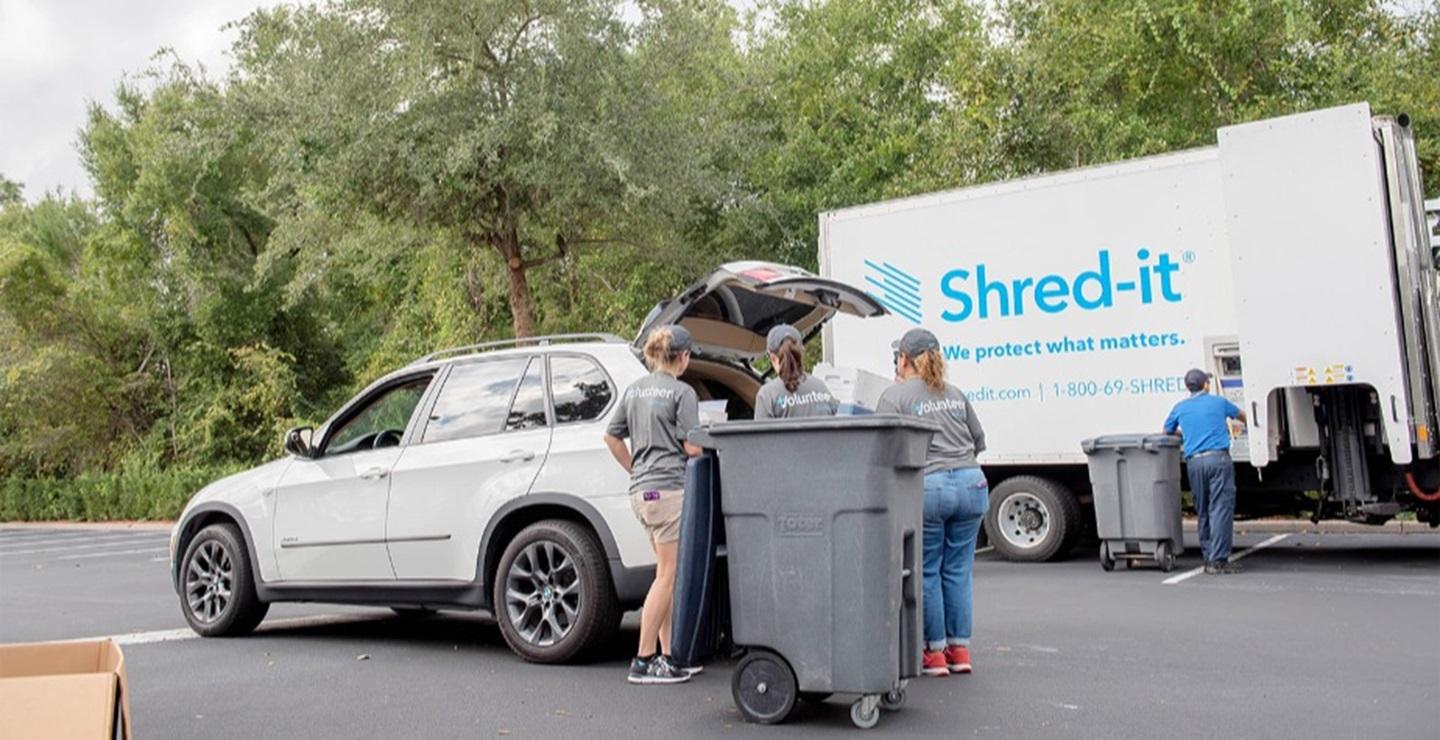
{"x": 895, "y": 272}
{"x": 898, "y": 291}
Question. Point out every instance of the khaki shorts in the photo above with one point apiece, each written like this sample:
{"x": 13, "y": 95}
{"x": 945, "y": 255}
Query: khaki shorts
{"x": 660, "y": 514}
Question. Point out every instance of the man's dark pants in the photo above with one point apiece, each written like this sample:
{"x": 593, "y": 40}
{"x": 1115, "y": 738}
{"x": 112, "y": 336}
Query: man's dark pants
{"x": 1212, "y": 483}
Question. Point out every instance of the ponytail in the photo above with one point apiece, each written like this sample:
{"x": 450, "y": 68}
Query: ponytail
{"x": 791, "y": 365}
{"x": 931, "y": 367}
{"x": 658, "y": 354}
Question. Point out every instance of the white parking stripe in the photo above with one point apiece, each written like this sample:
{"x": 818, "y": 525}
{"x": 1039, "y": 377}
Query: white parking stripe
{"x": 146, "y": 551}
{"x": 75, "y": 540}
{"x": 1172, "y": 580}
{"x": 41, "y": 550}
{"x": 275, "y": 625}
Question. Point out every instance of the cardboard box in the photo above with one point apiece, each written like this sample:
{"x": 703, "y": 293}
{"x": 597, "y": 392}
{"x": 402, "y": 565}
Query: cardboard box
{"x": 63, "y": 690}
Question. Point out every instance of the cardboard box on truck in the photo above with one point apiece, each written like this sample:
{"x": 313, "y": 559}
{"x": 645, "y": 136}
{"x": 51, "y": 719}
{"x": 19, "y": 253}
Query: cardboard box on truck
{"x": 62, "y": 690}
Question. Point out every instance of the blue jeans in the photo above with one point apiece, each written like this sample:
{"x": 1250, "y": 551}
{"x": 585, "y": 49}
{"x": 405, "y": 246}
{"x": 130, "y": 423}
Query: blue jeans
{"x": 955, "y": 502}
{"x": 1212, "y": 483}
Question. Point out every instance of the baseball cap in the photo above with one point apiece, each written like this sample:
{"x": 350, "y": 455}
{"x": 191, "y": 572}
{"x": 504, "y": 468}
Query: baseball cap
{"x": 779, "y": 333}
{"x": 1196, "y": 379}
{"x": 680, "y": 339}
{"x": 915, "y": 341}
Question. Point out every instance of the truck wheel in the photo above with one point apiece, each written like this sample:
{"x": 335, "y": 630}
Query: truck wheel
{"x": 1032, "y": 519}
{"x": 217, "y": 592}
{"x": 552, "y": 593}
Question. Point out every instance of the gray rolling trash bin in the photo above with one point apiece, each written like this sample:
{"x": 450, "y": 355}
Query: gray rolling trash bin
{"x": 823, "y": 532}
{"x": 1136, "y": 479}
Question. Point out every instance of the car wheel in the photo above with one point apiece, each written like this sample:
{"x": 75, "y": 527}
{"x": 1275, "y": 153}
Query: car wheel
{"x": 1032, "y": 519}
{"x": 217, "y": 584}
{"x": 552, "y": 593}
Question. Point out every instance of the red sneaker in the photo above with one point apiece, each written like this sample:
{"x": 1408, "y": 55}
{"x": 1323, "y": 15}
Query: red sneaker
{"x": 934, "y": 664}
{"x": 957, "y": 659}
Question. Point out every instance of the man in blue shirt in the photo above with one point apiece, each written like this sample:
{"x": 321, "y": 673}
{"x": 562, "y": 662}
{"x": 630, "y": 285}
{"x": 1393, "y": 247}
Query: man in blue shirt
{"x": 1204, "y": 421}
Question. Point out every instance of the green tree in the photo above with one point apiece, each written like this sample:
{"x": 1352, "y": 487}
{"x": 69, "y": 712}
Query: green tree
{"x": 11, "y": 192}
{"x": 526, "y": 130}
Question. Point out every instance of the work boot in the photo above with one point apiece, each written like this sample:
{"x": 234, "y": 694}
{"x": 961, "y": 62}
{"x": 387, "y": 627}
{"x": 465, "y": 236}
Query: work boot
{"x": 1222, "y": 568}
{"x": 934, "y": 664}
{"x": 957, "y": 657}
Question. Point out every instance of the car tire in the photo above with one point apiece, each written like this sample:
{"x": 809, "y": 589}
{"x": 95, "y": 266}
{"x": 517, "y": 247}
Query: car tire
{"x": 553, "y": 595}
{"x": 1032, "y": 519}
{"x": 217, "y": 584}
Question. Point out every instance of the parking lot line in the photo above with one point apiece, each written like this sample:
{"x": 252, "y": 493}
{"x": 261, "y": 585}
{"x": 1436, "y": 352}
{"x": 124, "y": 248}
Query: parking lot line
{"x": 146, "y": 551}
{"x": 274, "y": 625}
{"x": 32, "y": 542}
{"x": 42, "y": 550}
{"x": 1172, "y": 580}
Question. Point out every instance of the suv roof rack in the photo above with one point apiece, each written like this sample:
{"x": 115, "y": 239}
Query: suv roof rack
{"x": 517, "y": 342}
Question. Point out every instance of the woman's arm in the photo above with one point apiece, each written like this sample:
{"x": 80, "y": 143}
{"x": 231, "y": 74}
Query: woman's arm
{"x": 620, "y": 451}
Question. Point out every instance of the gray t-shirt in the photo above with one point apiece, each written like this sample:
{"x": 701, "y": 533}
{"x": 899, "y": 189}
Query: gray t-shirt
{"x": 960, "y": 437}
{"x": 656, "y": 413}
{"x": 811, "y": 398}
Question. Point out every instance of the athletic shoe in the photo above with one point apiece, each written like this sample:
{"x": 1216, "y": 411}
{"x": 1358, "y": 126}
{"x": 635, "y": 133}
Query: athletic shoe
{"x": 934, "y": 664}
{"x": 1222, "y": 568}
{"x": 656, "y": 670}
{"x": 687, "y": 669}
{"x": 957, "y": 657}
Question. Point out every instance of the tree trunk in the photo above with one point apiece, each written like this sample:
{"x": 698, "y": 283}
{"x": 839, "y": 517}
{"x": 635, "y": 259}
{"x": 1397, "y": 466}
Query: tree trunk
{"x": 522, "y": 308}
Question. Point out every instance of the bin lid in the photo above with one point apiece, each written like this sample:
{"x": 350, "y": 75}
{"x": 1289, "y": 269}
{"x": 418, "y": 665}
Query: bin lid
{"x": 1150, "y": 441}
{"x": 820, "y": 424}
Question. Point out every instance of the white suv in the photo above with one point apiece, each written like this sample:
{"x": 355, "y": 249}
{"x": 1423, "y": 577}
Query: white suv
{"x": 476, "y": 478}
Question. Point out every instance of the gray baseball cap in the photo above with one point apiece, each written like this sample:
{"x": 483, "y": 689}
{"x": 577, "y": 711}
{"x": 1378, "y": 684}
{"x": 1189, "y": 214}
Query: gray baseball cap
{"x": 1196, "y": 379}
{"x": 680, "y": 339}
{"x": 915, "y": 341}
{"x": 779, "y": 333}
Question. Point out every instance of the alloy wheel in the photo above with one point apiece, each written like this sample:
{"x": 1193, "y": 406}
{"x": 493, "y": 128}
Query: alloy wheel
{"x": 209, "y": 581}
{"x": 542, "y": 593}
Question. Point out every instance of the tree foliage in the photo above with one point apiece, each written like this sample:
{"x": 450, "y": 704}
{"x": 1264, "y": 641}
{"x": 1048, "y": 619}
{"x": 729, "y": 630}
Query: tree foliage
{"x": 374, "y": 178}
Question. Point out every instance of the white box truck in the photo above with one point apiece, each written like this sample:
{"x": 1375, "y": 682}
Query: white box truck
{"x": 1292, "y": 261}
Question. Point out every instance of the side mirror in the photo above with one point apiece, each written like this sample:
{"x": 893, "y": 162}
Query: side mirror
{"x": 298, "y": 441}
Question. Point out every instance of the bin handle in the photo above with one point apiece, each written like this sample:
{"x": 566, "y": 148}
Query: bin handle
{"x": 701, "y": 436}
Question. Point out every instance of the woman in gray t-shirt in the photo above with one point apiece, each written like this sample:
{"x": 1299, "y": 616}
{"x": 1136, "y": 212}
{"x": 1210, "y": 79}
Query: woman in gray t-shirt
{"x": 792, "y": 393}
{"x": 956, "y": 495}
{"x": 656, "y": 413}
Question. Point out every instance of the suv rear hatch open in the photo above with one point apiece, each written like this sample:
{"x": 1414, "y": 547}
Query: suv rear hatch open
{"x": 730, "y": 311}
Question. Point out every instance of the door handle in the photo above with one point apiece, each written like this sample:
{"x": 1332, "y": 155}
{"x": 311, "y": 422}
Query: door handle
{"x": 518, "y": 455}
{"x": 374, "y": 474}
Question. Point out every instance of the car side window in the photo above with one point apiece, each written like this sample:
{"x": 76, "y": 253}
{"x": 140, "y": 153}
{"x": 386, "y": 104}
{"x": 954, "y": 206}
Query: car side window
{"x": 382, "y": 422}
{"x": 528, "y": 410}
{"x": 581, "y": 390}
{"x": 475, "y": 399}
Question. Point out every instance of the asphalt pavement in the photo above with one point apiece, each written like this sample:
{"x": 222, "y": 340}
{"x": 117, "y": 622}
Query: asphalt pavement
{"x": 1334, "y": 635}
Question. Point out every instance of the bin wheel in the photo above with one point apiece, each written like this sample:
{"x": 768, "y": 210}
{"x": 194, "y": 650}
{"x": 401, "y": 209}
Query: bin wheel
{"x": 1107, "y": 563}
{"x": 865, "y": 713}
{"x": 1165, "y": 557}
{"x": 814, "y": 697}
{"x": 764, "y": 687}
{"x": 893, "y": 700}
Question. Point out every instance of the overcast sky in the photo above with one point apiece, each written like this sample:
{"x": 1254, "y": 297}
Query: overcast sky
{"x": 56, "y": 56}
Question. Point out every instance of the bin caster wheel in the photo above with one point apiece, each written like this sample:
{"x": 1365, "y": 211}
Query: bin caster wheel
{"x": 1107, "y": 563}
{"x": 1165, "y": 557}
{"x": 865, "y": 712}
{"x": 893, "y": 700}
{"x": 764, "y": 688}
{"x": 814, "y": 697}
